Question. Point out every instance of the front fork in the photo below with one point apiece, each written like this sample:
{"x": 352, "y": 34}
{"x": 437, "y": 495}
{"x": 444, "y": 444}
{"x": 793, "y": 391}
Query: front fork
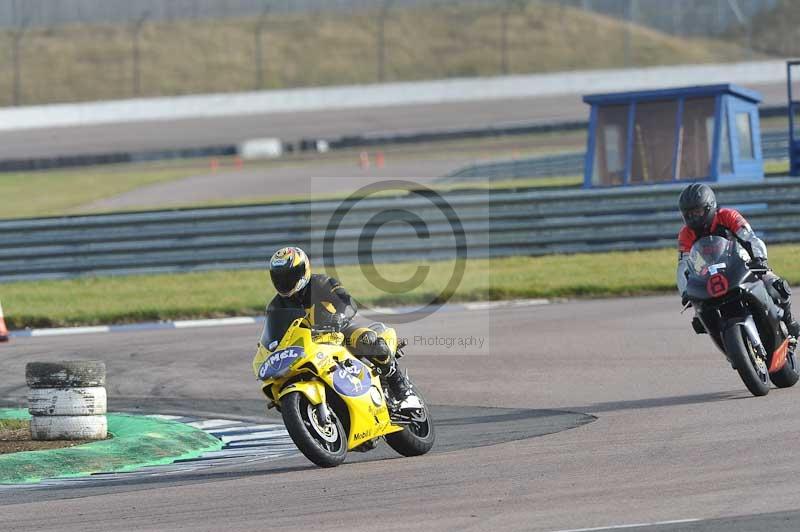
{"x": 323, "y": 414}
{"x": 751, "y": 329}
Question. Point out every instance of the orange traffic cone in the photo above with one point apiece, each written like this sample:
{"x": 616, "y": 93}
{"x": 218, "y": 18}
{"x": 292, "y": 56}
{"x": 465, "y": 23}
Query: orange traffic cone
{"x": 363, "y": 160}
{"x": 214, "y": 165}
{"x": 379, "y": 160}
{"x": 3, "y": 329}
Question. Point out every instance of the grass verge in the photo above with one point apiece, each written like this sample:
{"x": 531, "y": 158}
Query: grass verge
{"x": 13, "y": 424}
{"x": 55, "y": 192}
{"x": 71, "y": 191}
{"x": 15, "y": 437}
{"x": 109, "y": 300}
{"x": 83, "y": 62}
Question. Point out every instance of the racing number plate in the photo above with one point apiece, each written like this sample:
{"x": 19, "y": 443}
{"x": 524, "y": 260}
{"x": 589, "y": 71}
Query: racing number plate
{"x": 717, "y": 285}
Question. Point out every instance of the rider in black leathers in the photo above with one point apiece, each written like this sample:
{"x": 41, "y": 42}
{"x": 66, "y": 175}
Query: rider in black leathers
{"x": 326, "y": 302}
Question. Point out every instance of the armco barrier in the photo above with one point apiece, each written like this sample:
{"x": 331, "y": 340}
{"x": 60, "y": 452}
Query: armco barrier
{"x": 496, "y": 223}
{"x": 774, "y": 144}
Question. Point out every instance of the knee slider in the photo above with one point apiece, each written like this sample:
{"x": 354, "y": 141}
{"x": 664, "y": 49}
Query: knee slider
{"x": 367, "y": 337}
{"x": 360, "y": 341}
{"x": 783, "y": 289}
{"x": 381, "y": 351}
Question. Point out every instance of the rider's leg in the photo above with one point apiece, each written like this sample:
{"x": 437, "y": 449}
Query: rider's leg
{"x": 378, "y": 344}
{"x": 780, "y": 290}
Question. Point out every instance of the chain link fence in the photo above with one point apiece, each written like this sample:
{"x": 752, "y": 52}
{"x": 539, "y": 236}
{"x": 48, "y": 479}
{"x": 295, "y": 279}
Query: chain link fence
{"x": 74, "y": 50}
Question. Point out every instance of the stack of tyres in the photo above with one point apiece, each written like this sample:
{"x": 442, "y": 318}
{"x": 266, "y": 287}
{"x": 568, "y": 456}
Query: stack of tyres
{"x": 67, "y": 400}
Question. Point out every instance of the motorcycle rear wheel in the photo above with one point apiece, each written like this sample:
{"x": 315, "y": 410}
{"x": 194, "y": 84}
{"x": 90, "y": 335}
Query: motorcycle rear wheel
{"x": 788, "y": 375}
{"x": 751, "y": 367}
{"x": 323, "y": 444}
{"x": 418, "y": 437}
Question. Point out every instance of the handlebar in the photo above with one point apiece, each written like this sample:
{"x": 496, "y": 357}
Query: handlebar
{"x": 322, "y": 329}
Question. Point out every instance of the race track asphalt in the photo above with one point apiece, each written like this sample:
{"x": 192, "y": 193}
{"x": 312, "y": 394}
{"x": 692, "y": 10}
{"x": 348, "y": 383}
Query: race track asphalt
{"x": 663, "y": 431}
{"x": 143, "y": 136}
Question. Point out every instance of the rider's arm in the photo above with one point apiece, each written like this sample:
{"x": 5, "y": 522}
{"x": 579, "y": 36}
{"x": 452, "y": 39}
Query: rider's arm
{"x": 344, "y": 303}
{"x": 754, "y": 245}
{"x": 737, "y": 223}
{"x": 276, "y": 303}
{"x": 685, "y": 240}
{"x": 683, "y": 272}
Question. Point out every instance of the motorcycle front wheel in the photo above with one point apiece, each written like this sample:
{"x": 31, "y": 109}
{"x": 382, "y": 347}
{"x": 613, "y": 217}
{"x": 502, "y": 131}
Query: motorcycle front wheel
{"x": 324, "y": 443}
{"x": 418, "y": 437}
{"x": 751, "y": 366}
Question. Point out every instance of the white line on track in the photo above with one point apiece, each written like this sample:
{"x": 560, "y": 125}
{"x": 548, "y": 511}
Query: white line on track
{"x": 246, "y": 320}
{"x": 489, "y": 305}
{"x": 278, "y": 434}
{"x": 70, "y": 330}
{"x": 186, "y": 324}
{"x": 634, "y": 525}
{"x": 237, "y": 429}
{"x": 215, "y": 424}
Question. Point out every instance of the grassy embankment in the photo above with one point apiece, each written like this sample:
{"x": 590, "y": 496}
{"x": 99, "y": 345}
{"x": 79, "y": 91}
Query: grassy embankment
{"x": 216, "y": 294}
{"x": 68, "y": 190}
{"x": 54, "y": 192}
{"x": 775, "y": 32}
{"x": 84, "y": 63}
{"x": 58, "y": 192}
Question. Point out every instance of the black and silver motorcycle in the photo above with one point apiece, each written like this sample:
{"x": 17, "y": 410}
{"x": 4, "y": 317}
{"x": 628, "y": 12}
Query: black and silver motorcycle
{"x": 733, "y": 306}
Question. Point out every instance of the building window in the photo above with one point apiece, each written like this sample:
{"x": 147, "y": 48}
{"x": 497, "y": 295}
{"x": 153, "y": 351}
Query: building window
{"x": 725, "y": 161}
{"x": 744, "y": 135}
{"x": 696, "y": 139}
{"x": 653, "y": 141}
{"x": 611, "y": 139}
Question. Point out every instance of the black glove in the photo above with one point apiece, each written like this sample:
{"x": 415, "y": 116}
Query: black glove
{"x": 684, "y": 299}
{"x": 758, "y": 263}
{"x": 338, "y": 320}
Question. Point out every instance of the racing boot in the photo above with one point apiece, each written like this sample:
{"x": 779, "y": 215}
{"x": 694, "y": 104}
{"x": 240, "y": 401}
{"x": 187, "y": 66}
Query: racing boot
{"x": 791, "y": 323}
{"x": 785, "y": 292}
{"x": 398, "y": 385}
{"x": 401, "y": 391}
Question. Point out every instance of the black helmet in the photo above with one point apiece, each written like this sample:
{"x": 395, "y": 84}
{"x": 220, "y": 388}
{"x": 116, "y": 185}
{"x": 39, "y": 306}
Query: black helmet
{"x": 290, "y": 270}
{"x": 698, "y": 206}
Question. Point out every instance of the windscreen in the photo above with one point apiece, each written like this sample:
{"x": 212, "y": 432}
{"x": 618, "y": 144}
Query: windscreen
{"x": 709, "y": 252}
{"x": 278, "y": 322}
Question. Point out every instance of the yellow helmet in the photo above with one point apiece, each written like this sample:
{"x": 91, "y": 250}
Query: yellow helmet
{"x": 290, "y": 270}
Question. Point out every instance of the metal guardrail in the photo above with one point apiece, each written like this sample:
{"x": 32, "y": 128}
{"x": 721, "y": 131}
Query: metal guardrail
{"x": 566, "y": 164}
{"x": 774, "y": 145}
{"x": 495, "y": 223}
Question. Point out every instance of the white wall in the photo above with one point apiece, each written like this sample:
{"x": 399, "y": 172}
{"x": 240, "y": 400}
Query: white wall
{"x": 390, "y": 94}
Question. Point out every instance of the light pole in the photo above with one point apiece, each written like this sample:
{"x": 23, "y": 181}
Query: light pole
{"x": 509, "y": 7}
{"x": 259, "y": 55}
{"x": 136, "y": 52}
{"x": 381, "y": 39}
{"x": 16, "y": 53}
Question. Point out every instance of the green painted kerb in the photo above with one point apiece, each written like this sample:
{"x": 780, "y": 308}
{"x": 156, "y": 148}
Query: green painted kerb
{"x": 137, "y": 441}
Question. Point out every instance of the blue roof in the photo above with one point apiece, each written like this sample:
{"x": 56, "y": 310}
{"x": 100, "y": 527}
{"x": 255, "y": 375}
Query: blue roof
{"x": 698, "y": 91}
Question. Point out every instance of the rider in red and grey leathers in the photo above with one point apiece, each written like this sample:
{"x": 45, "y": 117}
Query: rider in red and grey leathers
{"x": 698, "y": 206}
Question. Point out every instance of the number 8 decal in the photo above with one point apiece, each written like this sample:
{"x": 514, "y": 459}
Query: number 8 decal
{"x": 717, "y": 285}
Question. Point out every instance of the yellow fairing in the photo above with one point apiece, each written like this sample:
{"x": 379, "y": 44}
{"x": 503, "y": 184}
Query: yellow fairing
{"x": 313, "y": 390}
{"x": 327, "y": 367}
{"x": 367, "y": 419}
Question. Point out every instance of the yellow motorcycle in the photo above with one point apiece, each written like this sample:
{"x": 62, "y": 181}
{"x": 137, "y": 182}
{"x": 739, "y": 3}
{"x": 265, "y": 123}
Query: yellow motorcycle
{"x": 331, "y": 401}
